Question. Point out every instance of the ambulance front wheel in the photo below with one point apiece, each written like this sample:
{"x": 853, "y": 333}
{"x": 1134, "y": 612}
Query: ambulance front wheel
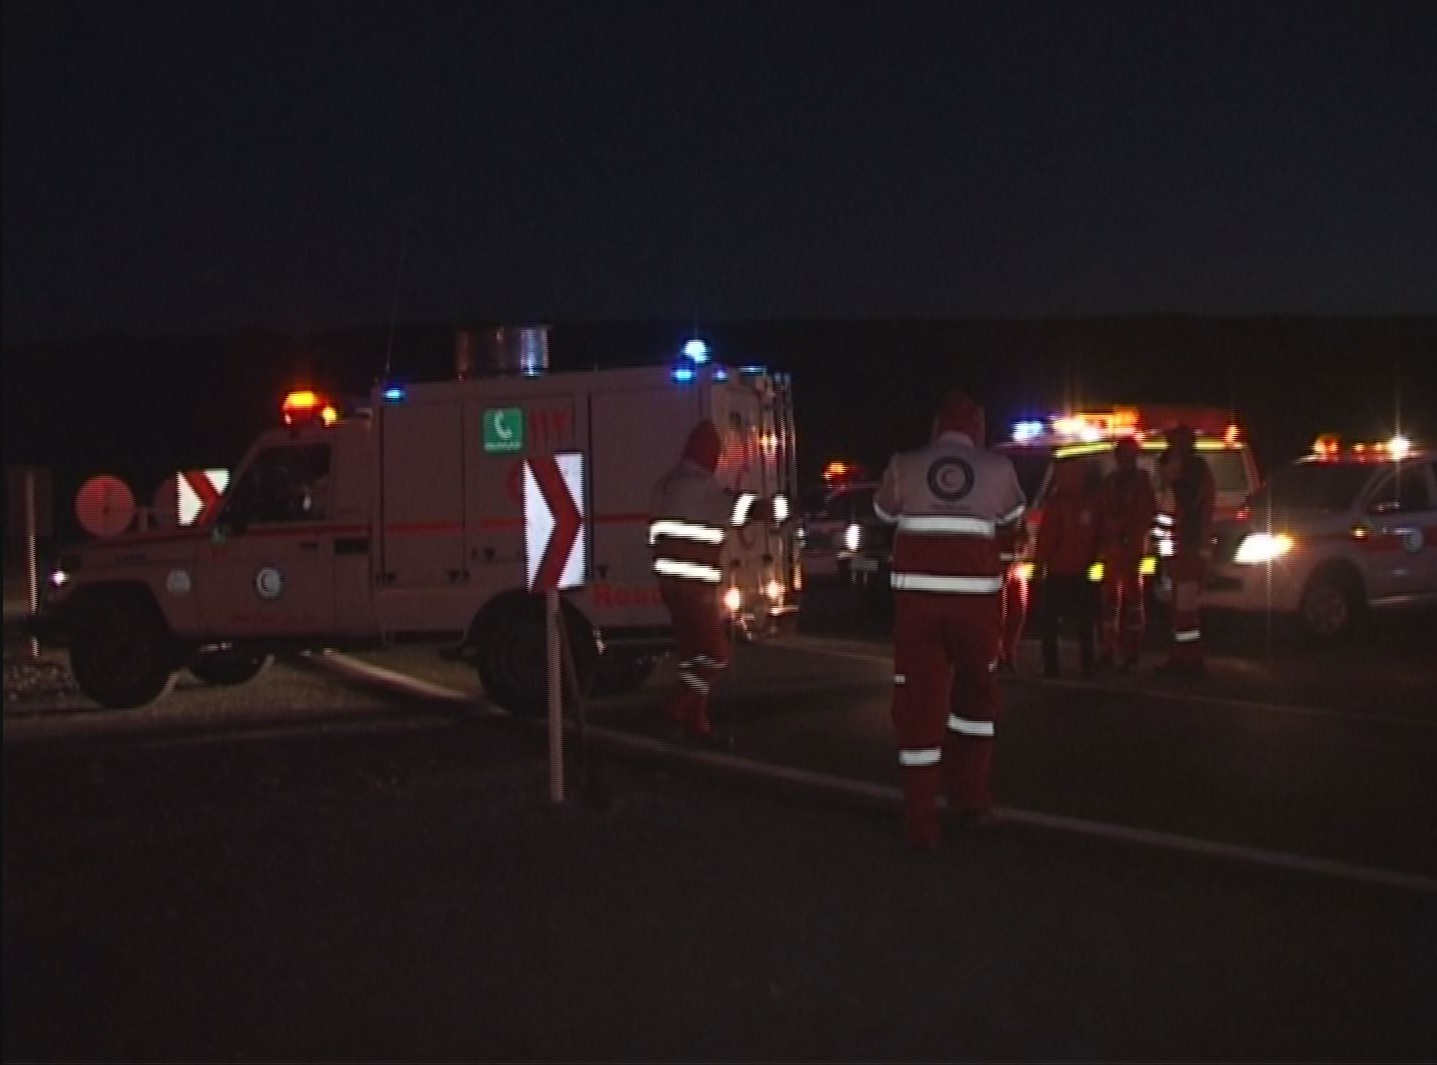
{"x": 510, "y": 652}
{"x": 121, "y": 653}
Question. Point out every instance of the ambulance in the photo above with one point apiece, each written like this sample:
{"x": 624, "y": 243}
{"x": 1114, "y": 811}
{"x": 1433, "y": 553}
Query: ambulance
{"x": 1037, "y": 446}
{"x": 400, "y": 521}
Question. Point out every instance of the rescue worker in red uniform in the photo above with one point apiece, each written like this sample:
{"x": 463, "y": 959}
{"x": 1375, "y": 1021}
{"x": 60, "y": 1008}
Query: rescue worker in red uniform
{"x": 1064, "y": 553}
{"x": 950, "y": 501}
{"x": 690, "y": 517}
{"x": 1187, "y": 476}
{"x": 1127, "y": 508}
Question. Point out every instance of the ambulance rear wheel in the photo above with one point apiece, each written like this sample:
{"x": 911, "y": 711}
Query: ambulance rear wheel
{"x": 511, "y": 653}
{"x": 121, "y": 654}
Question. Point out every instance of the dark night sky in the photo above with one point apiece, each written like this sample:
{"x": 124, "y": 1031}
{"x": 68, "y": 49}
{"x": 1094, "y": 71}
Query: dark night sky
{"x": 176, "y": 167}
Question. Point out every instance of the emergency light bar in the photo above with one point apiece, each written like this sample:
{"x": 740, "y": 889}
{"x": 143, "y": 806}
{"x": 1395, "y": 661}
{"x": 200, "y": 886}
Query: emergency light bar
{"x": 837, "y": 471}
{"x": 1091, "y": 427}
{"x": 306, "y": 405}
{"x": 1328, "y": 448}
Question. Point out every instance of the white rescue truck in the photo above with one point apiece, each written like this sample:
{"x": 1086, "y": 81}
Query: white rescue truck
{"x": 402, "y": 522}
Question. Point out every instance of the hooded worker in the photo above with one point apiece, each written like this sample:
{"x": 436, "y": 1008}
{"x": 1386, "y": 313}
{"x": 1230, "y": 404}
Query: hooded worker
{"x": 691, "y": 515}
{"x": 1066, "y": 548}
{"x": 953, "y": 504}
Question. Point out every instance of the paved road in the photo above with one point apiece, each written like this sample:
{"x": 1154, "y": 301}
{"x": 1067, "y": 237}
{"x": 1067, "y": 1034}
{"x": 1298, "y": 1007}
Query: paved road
{"x": 316, "y": 867}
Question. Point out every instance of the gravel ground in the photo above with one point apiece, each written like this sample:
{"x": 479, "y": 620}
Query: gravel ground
{"x": 36, "y": 683}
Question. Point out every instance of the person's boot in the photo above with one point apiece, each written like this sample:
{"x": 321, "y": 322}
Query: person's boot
{"x": 678, "y": 713}
{"x": 700, "y": 731}
{"x": 1050, "y": 657}
{"x": 968, "y": 764}
{"x": 920, "y": 807}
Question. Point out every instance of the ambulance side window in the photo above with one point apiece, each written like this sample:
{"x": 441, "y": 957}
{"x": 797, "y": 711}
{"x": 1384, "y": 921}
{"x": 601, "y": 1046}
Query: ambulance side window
{"x": 1405, "y": 491}
{"x": 282, "y": 485}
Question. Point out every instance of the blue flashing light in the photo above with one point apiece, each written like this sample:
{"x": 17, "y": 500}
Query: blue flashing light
{"x": 720, "y": 374}
{"x": 393, "y": 394}
{"x": 683, "y": 374}
{"x": 1027, "y": 430}
{"x": 697, "y": 350}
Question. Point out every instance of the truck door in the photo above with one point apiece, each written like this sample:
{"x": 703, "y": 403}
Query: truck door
{"x": 269, "y": 567}
{"x": 1403, "y": 516}
{"x": 635, "y": 436}
{"x": 422, "y": 461}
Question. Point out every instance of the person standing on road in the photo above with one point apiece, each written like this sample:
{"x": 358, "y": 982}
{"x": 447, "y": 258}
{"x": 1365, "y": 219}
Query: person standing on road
{"x": 950, "y": 501}
{"x": 1187, "y": 476}
{"x": 1064, "y": 553}
{"x": 1126, "y": 511}
{"x": 691, "y": 515}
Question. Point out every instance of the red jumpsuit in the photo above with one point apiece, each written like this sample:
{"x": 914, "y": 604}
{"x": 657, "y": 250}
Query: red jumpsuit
{"x": 1064, "y": 553}
{"x": 691, "y": 513}
{"x": 1126, "y": 509}
{"x": 949, "y": 501}
{"x": 1194, "y": 492}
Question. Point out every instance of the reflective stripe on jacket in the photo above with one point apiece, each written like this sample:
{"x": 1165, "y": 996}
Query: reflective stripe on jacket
{"x": 955, "y": 506}
{"x": 691, "y": 513}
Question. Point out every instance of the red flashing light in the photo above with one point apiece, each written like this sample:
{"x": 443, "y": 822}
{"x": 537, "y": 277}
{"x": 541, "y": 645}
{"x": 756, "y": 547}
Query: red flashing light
{"x": 837, "y": 472}
{"x": 305, "y": 405}
{"x": 1328, "y": 448}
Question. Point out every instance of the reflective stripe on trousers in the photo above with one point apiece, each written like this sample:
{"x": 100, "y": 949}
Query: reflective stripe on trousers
{"x": 934, "y": 582}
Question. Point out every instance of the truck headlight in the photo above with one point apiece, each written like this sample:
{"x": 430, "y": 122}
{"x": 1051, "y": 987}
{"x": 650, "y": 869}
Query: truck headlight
{"x": 773, "y": 590}
{"x": 733, "y": 599}
{"x": 1257, "y": 548}
{"x": 852, "y": 537}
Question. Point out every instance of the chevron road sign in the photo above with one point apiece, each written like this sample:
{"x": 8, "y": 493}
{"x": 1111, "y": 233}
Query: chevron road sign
{"x": 554, "y": 552}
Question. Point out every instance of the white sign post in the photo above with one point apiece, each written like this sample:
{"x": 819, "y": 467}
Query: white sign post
{"x": 554, "y": 558}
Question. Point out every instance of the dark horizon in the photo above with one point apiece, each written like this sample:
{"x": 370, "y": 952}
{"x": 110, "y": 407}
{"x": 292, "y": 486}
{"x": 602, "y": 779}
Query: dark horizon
{"x": 862, "y": 389}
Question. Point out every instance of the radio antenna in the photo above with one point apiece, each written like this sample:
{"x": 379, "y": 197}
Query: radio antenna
{"x": 394, "y": 306}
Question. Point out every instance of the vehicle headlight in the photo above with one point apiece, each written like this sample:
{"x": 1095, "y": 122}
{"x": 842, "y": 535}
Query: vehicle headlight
{"x": 852, "y": 537}
{"x": 780, "y": 509}
{"x": 1257, "y": 548}
{"x": 773, "y": 590}
{"x": 733, "y": 599}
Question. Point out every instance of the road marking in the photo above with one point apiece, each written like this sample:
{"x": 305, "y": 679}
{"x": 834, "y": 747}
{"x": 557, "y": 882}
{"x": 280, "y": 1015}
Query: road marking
{"x": 1173, "y": 696}
{"x": 892, "y": 795}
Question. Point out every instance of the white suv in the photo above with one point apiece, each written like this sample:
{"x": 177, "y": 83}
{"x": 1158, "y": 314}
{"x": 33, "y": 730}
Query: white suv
{"x": 1331, "y": 536}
